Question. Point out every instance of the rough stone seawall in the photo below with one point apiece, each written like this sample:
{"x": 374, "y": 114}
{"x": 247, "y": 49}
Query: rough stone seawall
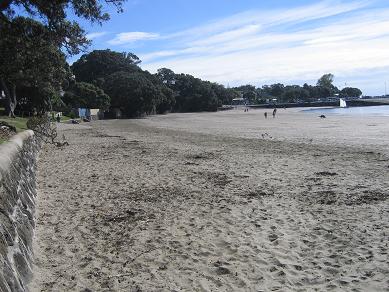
{"x": 17, "y": 202}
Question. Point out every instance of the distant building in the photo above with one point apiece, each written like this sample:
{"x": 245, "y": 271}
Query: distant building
{"x": 84, "y": 113}
{"x": 90, "y": 113}
{"x": 96, "y": 114}
{"x": 240, "y": 101}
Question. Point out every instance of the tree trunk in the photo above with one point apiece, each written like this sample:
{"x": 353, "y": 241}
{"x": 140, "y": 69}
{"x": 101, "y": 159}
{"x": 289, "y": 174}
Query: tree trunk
{"x": 11, "y": 98}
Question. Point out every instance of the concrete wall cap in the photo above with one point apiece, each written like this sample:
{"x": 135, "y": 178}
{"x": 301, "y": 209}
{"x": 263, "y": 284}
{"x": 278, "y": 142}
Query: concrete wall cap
{"x": 9, "y": 149}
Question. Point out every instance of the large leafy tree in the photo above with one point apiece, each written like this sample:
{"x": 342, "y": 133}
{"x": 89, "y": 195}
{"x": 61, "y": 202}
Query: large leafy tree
{"x": 30, "y": 48}
{"x": 105, "y": 67}
{"x": 326, "y": 86}
{"x": 277, "y": 90}
{"x": 133, "y": 93}
{"x": 86, "y": 95}
{"x": 350, "y": 92}
{"x": 29, "y": 59}
{"x": 53, "y": 14}
{"x": 224, "y": 95}
{"x": 194, "y": 95}
{"x": 166, "y": 76}
{"x": 294, "y": 93}
{"x": 96, "y": 66}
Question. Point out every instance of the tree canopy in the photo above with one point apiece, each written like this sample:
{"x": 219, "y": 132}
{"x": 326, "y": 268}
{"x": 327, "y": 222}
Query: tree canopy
{"x": 350, "y": 92}
{"x": 137, "y": 92}
{"x": 86, "y": 95}
{"x": 33, "y": 36}
{"x": 96, "y": 66}
{"x": 53, "y": 14}
{"x": 323, "y": 89}
{"x": 29, "y": 60}
{"x": 132, "y": 93}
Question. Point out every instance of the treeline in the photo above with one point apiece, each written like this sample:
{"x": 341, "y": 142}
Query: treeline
{"x": 107, "y": 79}
{"x": 323, "y": 89}
{"x": 111, "y": 80}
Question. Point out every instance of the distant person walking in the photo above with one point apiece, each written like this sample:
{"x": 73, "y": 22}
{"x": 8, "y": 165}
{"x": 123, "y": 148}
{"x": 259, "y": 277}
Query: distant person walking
{"x": 265, "y": 114}
{"x": 274, "y": 112}
{"x": 58, "y": 118}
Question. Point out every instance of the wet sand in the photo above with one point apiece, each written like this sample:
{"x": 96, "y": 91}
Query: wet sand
{"x": 223, "y": 201}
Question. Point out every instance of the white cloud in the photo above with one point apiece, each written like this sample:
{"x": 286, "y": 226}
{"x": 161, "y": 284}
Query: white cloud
{"x": 344, "y": 38}
{"x": 268, "y": 18}
{"x": 94, "y": 35}
{"x": 228, "y": 36}
{"x": 130, "y": 37}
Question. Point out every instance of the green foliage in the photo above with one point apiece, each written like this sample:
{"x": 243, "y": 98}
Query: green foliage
{"x": 166, "y": 76}
{"x": 32, "y": 63}
{"x": 86, "y": 95}
{"x": 350, "y": 92}
{"x": 296, "y": 93}
{"x": 133, "y": 93}
{"x": 53, "y": 15}
{"x": 32, "y": 67}
{"x": 326, "y": 80}
{"x": 194, "y": 95}
{"x": 225, "y": 95}
{"x": 166, "y": 100}
{"x": 136, "y": 92}
{"x": 277, "y": 90}
{"x": 325, "y": 85}
{"x": 72, "y": 115}
{"x": 96, "y": 66}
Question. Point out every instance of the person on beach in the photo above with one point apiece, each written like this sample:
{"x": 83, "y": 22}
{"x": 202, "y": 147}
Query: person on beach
{"x": 265, "y": 114}
{"x": 274, "y": 112}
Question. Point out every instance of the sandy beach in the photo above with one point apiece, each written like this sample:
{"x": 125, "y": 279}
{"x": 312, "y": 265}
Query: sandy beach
{"x": 226, "y": 201}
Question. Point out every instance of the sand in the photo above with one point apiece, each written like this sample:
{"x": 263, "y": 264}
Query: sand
{"x": 222, "y": 201}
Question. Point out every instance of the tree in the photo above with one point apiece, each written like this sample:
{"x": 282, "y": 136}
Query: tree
{"x": 350, "y": 92}
{"x": 53, "y": 15}
{"x": 326, "y": 86}
{"x": 39, "y": 99}
{"x": 96, "y": 66}
{"x": 166, "y": 99}
{"x": 295, "y": 93}
{"x": 86, "y": 95}
{"x": 166, "y": 76}
{"x": 194, "y": 95}
{"x": 224, "y": 95}
{"x": 28, "y": 59}
{"x": 30, "y": 47}
{"x": 133, "y": 93}
{"x": 277, "y": 90}
{"x": 251, "y": 96}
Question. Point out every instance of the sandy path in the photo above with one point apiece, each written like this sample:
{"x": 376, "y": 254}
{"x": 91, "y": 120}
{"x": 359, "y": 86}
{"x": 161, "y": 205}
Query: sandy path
{"x": 130, "y": 206}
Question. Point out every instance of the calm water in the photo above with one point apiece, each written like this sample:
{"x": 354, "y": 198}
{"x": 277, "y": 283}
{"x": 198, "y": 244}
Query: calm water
{"x": 382, "y": 110}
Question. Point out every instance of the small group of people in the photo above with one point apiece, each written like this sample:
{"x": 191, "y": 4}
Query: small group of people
{"x": 274, "y": 113}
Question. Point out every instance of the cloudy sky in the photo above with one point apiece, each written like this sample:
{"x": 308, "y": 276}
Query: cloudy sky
{"x": 258, "y": 42}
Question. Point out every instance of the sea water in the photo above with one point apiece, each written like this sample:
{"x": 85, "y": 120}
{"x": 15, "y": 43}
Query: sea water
{"x": 382, "y": 110}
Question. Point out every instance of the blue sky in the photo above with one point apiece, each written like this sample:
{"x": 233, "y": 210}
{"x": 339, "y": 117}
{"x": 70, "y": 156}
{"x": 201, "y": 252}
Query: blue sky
{"x": 257, "y": 42}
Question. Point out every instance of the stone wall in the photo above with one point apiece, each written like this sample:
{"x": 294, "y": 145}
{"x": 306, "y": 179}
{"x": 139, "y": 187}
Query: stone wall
{"x": 17, "y": 202}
